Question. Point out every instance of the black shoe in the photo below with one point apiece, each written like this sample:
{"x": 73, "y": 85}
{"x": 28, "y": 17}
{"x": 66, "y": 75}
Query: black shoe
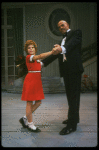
{"x": 22, "y": 121}
{"x": 37, "y": 130}
{"x": 66, "y": 121}
{"x": 67, "y": 130}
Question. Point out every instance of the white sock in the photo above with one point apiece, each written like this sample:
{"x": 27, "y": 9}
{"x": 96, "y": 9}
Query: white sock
{"x": 25, "y": 117}
{"x": 31, "y": 125}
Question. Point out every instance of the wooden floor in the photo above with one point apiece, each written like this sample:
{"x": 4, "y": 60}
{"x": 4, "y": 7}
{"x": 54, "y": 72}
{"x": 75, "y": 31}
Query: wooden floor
{"x": 48, "y": 117}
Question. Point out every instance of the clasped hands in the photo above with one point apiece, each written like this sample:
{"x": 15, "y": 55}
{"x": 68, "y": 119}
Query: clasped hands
{"x": 57, "y": 49}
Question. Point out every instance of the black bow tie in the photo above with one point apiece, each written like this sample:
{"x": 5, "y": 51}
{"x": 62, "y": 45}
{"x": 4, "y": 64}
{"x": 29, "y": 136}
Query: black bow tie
{"x": 65, "y": 35}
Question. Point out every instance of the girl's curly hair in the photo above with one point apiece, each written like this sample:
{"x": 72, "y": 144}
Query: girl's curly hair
{"x": 30, "y": 42}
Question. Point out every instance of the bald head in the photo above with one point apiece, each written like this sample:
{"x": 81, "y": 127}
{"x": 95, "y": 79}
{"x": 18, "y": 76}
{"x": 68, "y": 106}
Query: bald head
{"x": 63, "y": 26}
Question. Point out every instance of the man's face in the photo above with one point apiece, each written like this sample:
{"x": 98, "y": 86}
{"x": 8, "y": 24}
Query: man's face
{"x": 63, "y": 26}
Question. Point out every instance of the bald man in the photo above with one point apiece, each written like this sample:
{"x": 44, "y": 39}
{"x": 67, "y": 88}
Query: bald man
{"x": 68, "y": 52}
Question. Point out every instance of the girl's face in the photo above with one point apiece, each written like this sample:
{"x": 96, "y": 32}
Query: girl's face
{"x": 31, "y": 50}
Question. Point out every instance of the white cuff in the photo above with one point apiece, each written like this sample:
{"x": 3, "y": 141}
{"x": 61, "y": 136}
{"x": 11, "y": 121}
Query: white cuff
{"x": 63, "y": 49}
{"x": 31, "y": 57}
{"x": 42, "y": 65}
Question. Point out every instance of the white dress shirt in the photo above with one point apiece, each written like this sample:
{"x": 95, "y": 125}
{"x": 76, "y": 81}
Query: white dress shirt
{"x": 63, "y": 48}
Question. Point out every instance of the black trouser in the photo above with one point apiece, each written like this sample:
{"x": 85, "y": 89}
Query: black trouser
{"x": 72, "y": 87}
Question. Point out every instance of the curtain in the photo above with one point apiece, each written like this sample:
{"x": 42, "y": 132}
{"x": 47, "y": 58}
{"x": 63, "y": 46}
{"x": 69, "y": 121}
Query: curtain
{"x": 17, "y": 24}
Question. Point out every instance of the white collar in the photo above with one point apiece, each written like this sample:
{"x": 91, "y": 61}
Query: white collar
{"x": 68, "y": 30}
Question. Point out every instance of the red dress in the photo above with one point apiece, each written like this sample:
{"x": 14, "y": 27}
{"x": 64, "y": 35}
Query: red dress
{"x": 32, "y": 87}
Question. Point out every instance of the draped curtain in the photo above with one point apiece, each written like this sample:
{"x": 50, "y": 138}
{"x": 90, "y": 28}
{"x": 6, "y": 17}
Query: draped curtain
{"x": 17, "y": 24}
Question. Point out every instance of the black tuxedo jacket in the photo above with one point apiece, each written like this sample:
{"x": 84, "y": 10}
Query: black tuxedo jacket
{"x": 73, "y": 64}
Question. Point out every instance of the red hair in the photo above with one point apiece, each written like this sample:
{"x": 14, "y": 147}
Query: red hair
{"x": 30, "y": 42}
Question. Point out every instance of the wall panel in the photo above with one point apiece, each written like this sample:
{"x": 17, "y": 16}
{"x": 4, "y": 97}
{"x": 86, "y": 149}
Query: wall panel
{"x": 90, "y": 68}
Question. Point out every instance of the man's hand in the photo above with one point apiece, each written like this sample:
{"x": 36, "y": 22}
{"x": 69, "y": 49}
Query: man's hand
{"x": 57, "y": 49}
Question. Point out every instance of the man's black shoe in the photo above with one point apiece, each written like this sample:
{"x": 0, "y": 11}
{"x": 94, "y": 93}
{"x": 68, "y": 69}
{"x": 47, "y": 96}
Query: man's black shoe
{"x": 67, "y": 130}
{"x": 66, "y": 121}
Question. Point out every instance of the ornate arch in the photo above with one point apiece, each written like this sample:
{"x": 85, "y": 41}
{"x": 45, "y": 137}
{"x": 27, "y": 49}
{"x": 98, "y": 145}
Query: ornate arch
{"x": 52, "y": 16}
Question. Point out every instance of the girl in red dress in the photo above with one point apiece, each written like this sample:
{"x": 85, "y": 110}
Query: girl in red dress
{"x": 32, "y": 87}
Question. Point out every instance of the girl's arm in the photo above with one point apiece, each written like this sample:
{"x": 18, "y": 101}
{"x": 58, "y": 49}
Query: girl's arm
{"x": 42, "y": 56}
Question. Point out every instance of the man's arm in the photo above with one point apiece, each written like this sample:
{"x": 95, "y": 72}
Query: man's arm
{"x": 49, "y": 59}
{"x": 70, "y": 44}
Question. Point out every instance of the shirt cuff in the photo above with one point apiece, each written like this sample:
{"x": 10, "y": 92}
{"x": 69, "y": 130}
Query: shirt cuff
{"x": 42, "y": 64}
{"x": 31, "y": 58}
{"x": 63, "y": 49}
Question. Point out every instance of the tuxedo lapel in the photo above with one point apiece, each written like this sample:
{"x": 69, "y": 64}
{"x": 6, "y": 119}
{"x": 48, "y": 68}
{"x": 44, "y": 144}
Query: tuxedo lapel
{"x": 69, "y": 35}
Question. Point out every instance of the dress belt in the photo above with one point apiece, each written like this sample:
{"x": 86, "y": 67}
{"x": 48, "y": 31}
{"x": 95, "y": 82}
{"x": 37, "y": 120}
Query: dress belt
{"x": 33, "y": 71}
